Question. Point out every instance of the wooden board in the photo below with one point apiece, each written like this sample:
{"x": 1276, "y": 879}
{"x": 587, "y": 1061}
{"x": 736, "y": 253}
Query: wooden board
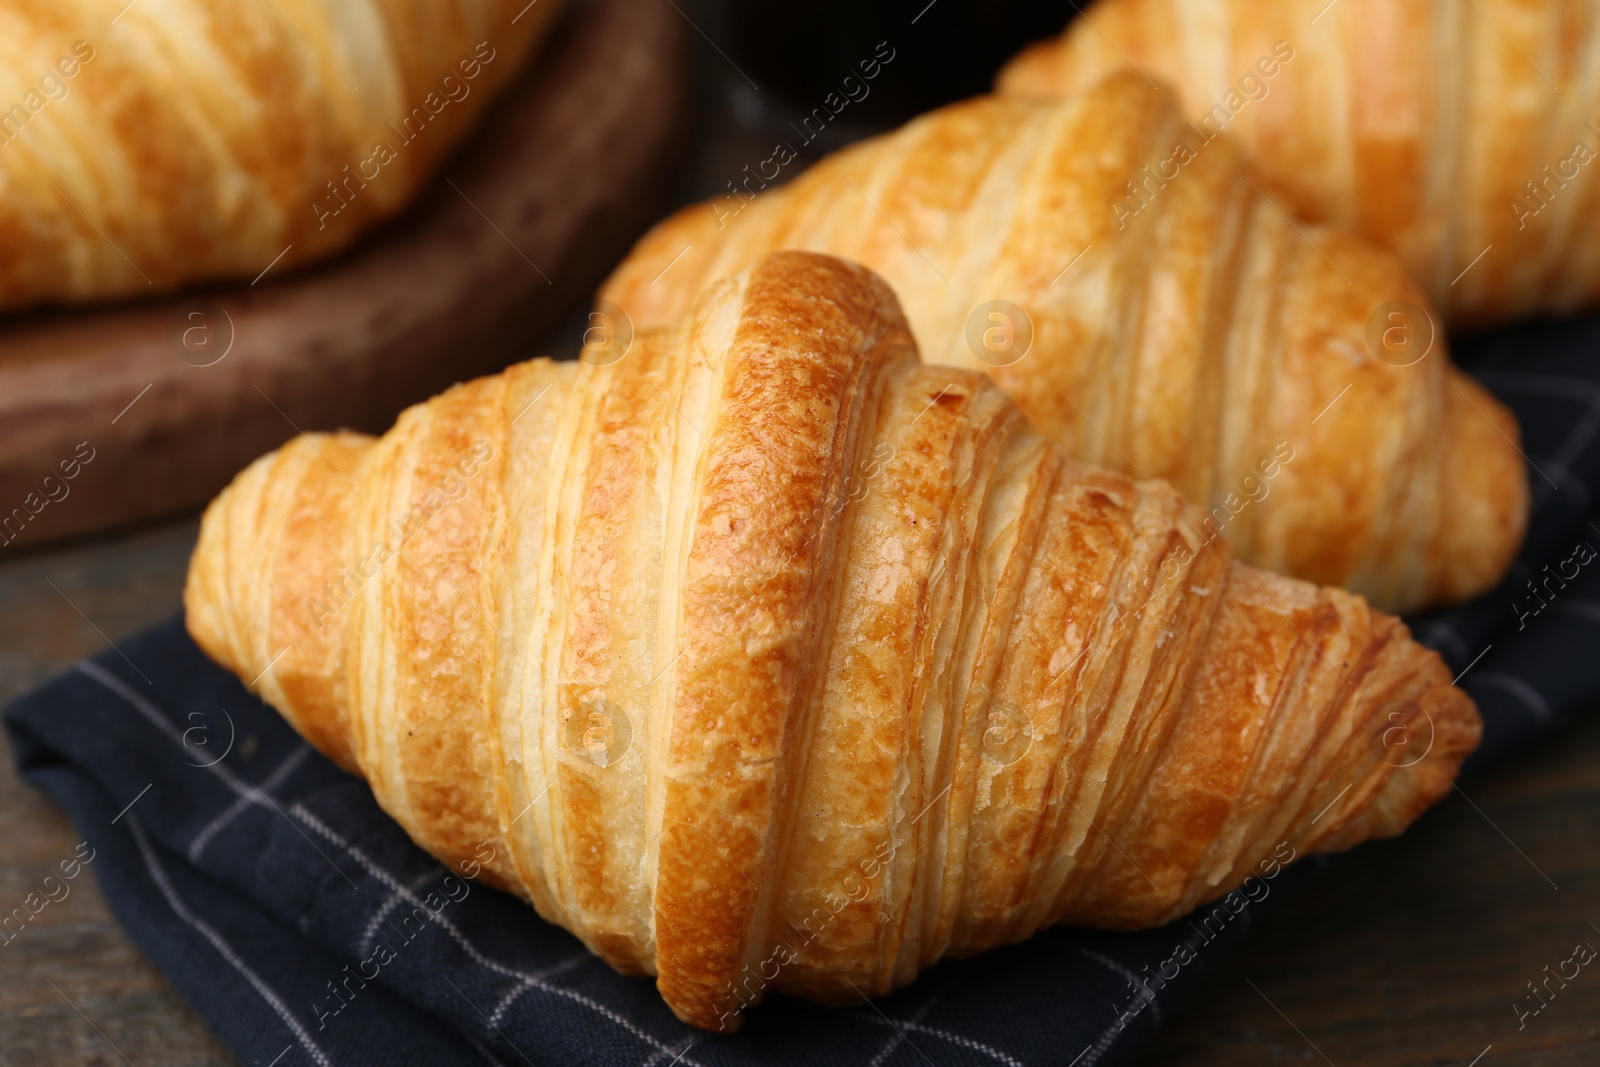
{"x": 172, "y": 397}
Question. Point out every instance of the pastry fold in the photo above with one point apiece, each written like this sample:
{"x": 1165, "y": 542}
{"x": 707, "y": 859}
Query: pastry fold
{"x": 765, "y": 657}
{"x": 1461, "y": 135}
{"x": 1154, "y": 313}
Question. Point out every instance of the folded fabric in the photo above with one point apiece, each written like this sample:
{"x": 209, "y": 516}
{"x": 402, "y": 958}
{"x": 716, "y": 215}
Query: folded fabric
{"x": 305, "y": 928}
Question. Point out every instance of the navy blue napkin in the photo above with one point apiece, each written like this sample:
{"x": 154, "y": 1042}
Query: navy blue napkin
{"x": 305, "y": 928}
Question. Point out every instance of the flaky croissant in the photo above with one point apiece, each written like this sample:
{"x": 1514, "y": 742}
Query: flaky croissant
{"x": 1187, "y": 331}
{"x": 766, "y": 657}
{"x": 1445, "y": 130}
{"x": 151, "y": 144}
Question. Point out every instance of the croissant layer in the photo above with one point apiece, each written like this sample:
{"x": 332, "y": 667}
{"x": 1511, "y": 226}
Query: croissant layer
{"x": 1131, "y": 287}
{"x": 1458, "y": 135}
{"x": 767, "y": 657}
{"x": 154, "y": 144}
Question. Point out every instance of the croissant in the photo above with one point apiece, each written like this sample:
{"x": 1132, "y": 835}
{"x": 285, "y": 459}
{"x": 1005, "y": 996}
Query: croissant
{"x": 761, "y": 656}
{"x": 148, "y": 145}
{"x": 1181, "y": 329}
{"x": 1456, "y": 134}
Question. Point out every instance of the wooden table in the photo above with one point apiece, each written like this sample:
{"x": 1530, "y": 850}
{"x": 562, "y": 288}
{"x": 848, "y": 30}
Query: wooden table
{"x": 73, "y": 988}
{"x": 1413, "y": 951}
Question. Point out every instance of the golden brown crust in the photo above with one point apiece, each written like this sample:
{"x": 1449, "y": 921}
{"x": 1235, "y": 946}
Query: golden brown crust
{"x": 1186, "y": 330}
{"x": 1418, "y": 125}
{"x": 151, "y": 145}
{"x": 293, "y": 498}
{"x": 769, "y": 657}
{"x": 813, "y": 339}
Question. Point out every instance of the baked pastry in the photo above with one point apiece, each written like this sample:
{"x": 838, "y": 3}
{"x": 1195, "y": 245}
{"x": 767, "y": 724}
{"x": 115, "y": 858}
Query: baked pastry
{"x": 767, "y": 657}
{"x": 1445, "y": 132}
{"x": 1188, "y": 332}
{"x": 148, "y": 145}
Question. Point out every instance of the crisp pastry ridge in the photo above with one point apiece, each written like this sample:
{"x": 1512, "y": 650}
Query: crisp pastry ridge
{"x": 1445, "y": 132}
{"x": 1190, "y": 340}
{"x": 766, "y": 657}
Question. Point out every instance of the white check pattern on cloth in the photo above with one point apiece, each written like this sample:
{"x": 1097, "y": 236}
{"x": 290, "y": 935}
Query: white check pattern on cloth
{"x": 1518, "y": 688}
{"x": 1580, "y": 437}
{"x": 250, "y": 794}
{"x": 536, "y": 980}
{"x": 528, "y": 983}
{"x": 1108, "y": 1037}
{"x": 273, "y": 781}
{"x": 388, "y": 905}
{"x": 900, "y": 1026}
{"x": 159, "y": 876}
{"x": 916, "y": 1025}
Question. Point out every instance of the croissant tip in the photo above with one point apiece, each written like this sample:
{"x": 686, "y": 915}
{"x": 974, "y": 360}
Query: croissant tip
{"x": 1486, "y": 492}
{"x": 1031, "y": 71}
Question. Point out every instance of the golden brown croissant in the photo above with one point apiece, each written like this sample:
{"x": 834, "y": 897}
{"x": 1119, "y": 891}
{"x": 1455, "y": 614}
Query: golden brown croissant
{"x": 1444, "y": 131}
{"x": 1194, "y": 336}
{"x": 768, "y": 657}
{"x": 145, "y": 145}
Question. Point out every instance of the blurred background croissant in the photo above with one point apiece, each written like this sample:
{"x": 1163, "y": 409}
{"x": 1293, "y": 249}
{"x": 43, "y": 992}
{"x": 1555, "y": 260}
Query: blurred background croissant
{"x": 234, "y": 133}
{"x": 1441, "y": 131}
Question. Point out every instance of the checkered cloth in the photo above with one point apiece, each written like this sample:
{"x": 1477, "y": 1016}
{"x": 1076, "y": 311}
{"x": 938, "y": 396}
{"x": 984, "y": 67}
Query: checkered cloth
{"x": 305, "y": 928}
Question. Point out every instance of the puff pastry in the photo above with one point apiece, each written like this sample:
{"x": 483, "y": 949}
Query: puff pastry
{"x": 1181, "y": 328}
{"x": 148, "y": 145}
{"x": 767, "y": 657}
{"x": 1444, "y": 131}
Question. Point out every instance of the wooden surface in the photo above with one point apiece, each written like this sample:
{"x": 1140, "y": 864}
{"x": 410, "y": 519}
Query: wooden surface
{"x": 174, "y": 395}
{"x": 122, "y": 586}
{"x": 1413, "y": 951}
